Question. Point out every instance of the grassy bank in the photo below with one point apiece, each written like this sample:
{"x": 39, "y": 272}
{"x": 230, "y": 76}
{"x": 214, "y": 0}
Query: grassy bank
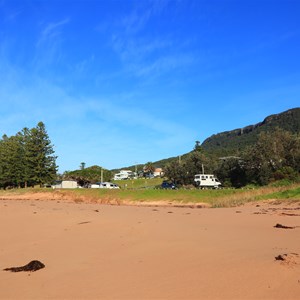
{"x": 140, "y": 183}
{"x": 212, "y": 198}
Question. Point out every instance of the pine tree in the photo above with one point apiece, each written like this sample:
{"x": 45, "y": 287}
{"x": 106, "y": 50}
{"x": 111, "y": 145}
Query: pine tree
{"x": 40, "y": 156}
{"x": 27, "y": 158}
{"x": 11, "y": 161}
{"x": 2, "y": 162}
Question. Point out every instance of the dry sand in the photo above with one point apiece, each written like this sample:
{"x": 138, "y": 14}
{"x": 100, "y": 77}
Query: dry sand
{"x": 94, "y": 251}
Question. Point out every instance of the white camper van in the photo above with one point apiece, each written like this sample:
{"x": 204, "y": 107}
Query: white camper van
{"x": 206, "y": 181}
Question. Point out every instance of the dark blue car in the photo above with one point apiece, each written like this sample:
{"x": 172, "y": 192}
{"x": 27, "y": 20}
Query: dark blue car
{"x": 168, "y": 185}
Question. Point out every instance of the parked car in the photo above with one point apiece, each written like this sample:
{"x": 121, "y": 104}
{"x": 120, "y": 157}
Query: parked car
{"x": 168, "y": 185}
{"x": 149, "y": 176}
{"x": 94, "y": 186}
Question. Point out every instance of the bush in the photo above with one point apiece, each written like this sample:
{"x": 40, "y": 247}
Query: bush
{"x": 287, "y": 173}
{"x": 279, "y": 183}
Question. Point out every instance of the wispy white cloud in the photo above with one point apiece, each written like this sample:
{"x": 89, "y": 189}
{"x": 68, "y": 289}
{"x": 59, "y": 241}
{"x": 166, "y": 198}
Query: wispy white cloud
{"x": 143, "y": 54}
{"x": 138, "y": 49}
{"x": 271, "y": 42}
{"x": 51, "y": 31}
{"x": 12, "y": 16}
{"x": 141, "y": 14}
{"x": 164, "y": 64}
{"x": 83, "y": 66}
{"x": 49, "y": 44}
{"x": 130, "y": 116}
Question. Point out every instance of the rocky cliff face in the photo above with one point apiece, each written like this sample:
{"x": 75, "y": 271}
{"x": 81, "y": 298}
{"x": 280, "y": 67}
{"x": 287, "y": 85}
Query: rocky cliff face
{"x": 230, "y": 142}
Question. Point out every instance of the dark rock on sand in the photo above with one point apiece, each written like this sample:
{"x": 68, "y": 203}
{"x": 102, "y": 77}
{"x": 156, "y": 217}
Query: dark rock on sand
{"x": 33, "y": 266}
{"x": 283, "y": 226}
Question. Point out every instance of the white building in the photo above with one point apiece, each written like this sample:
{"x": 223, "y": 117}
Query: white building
{"x": 65, "y": 184}
{"x": 124, "y": 174}
{"x": 158, "y": 172}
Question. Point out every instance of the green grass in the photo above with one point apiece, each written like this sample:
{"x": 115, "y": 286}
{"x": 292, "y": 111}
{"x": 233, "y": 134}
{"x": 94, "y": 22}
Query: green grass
{"x": 183, "y": 196}
{"x": 140, "y": 183}
{"x": 142, "y": 193}
{"x": 293, "y": 194}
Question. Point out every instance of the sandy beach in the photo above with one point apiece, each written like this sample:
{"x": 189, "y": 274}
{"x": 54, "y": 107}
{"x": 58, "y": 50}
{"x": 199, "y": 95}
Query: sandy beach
{"x": 94, "y": 251}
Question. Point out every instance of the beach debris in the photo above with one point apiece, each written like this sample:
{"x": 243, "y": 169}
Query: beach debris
{"x": 84, "y": 222}
{"x": 283, "y": 226}
{"x": 33, "y": 266}
{"x": 96, "y": 210}
{"x": 290, "y": 215}
{"x": 288, "y": 259}
{"x": 281, "y": 257}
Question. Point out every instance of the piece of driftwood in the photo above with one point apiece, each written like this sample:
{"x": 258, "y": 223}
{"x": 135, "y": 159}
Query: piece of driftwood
{"x": 33, "y": 266}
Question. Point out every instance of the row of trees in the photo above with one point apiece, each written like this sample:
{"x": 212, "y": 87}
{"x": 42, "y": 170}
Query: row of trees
{"x": 275, "y": 156}
{"x": 27, "y": 158}
{"x": 84, "y": 175}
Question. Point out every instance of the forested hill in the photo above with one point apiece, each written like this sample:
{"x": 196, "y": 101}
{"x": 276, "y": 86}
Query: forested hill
{"x": 231, "y": 142}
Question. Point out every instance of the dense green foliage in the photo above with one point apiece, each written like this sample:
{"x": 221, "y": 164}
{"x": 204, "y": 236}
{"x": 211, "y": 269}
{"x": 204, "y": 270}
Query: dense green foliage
{"x": 275, "y": 156}
{"x": 88, "y": 175}
{"x": 27, "y": 158}
{"x": 182, "y": 171}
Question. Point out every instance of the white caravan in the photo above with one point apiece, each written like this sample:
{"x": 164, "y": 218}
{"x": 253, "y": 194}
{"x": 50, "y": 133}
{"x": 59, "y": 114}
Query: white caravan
{"x": 206, "y": 181}
{"x": 108, "y": 185}
{"x": 104, "y": 185}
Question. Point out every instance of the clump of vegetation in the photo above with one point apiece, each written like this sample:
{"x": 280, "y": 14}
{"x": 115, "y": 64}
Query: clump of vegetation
{"x": 84, "y": 175}
{"x": 273, "y": 159}
{"x": 290, "y": 194}
{"x": 27, "y": 158}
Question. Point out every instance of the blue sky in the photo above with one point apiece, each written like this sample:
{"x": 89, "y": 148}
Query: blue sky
{"x": 124, "y": 82}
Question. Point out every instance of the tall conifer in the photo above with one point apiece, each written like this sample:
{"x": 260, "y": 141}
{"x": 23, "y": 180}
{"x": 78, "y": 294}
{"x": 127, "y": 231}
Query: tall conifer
{"x": 40, "y": 155}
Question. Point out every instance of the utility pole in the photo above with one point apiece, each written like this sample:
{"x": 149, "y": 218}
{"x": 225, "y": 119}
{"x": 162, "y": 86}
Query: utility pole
{"x": 101, "y": 175}
{"x": 202, "y": 169}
